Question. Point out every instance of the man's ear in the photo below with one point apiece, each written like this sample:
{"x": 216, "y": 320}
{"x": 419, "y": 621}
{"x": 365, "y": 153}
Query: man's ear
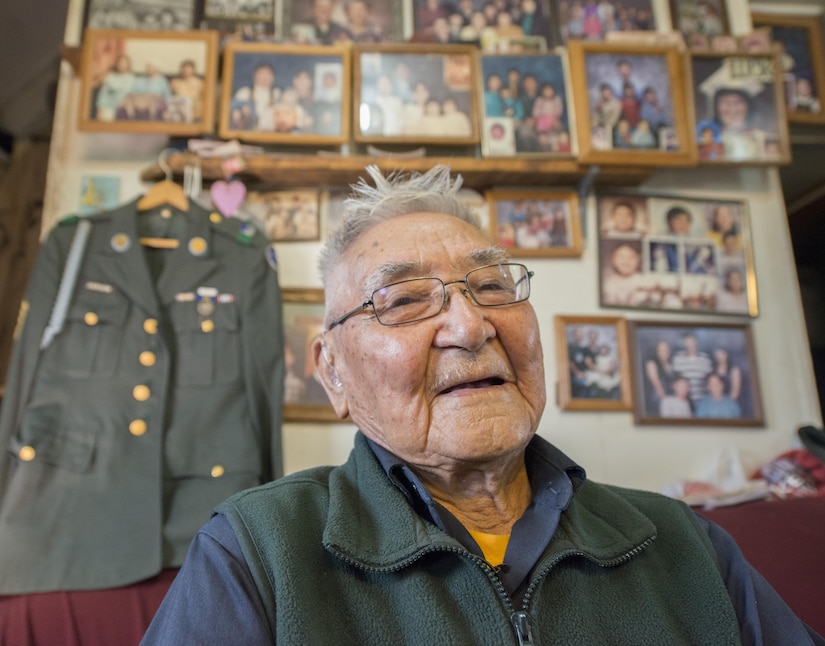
{"x": 325, "y": 372}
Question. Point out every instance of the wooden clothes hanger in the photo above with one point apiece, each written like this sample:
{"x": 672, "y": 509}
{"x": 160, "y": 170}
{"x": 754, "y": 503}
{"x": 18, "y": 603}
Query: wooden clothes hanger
{"x": 163, "y": 192}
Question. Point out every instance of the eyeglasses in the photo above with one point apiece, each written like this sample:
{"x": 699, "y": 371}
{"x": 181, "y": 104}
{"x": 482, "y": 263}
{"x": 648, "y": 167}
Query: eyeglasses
{"x": 417, "y": 299}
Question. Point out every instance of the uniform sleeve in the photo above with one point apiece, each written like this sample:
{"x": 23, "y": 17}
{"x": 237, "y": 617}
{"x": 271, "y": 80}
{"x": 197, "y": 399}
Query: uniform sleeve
{"x": 764, "y": 617}
{"x": 213, "y": 599}
{"x": 263, "y": 349}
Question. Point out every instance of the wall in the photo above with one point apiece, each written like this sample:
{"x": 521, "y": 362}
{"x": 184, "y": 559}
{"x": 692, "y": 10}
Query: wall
{"x": 609, "y": 445}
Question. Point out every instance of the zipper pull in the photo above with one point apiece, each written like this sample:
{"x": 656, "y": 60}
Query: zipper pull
{"x": 521, "y": 624}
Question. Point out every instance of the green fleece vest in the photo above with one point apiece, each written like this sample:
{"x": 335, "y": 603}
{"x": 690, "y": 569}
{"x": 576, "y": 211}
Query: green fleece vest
{"x": 339, "y": 557}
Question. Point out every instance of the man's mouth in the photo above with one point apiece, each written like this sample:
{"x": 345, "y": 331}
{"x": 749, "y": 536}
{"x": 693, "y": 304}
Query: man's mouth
{"x": 470, "y": 385}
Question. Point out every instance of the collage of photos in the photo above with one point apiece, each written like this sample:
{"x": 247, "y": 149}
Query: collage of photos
{"x": 695, "y": 374}
{"x": 665, "y": 253}
{"x": 526, "y": 106}
{"x": 425, "y": 97}
{"x": 273, "y": 92}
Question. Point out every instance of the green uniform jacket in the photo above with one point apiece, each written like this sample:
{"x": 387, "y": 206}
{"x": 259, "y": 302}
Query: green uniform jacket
{"x": 339, "y": 556}
{"x": 160, "y": 398}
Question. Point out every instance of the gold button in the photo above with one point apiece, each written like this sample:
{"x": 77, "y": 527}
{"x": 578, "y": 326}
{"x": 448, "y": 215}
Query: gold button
{"x": 147, "y": 358}
{"x": 207, "y": 326}
{"x": 166, "y": 213}
{"x": 27, "y": 453}
{"x": 141, "y": 393}
{"x": 150, "y": 326}
{"x": 197, "y": 246}
{"x": 137, "y": 427}
{"x": 91, "y": 318}
{"x": 215, "y": 217}
{"x": 217, "y": 471}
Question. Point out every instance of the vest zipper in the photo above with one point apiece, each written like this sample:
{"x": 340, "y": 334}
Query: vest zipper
{"x": 521, "y": 624}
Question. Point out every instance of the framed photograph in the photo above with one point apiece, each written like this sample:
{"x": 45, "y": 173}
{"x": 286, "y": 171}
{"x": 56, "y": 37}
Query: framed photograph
{"x": 803, "y": 63}
{"x": 536, "y": 224}
{"x": 632, "y": 104}
{"x": 676, "y": 254}
{"x": 593, "y": 20}
{"x": 328, "y": 22}
{"x": 260, "y": 10}
{"x": 526, "y": 106}
{"x": 305, "y": 399}
{"x": 694, "y": 374}
{"x": 494, "y": 26}
{"x": 416, "y": 94}
{"x": 152, "y": 82}
{"x": 706, "y": 17}
{"x": 296, "y": 95}
{"x": 740, "y": 110}
{"x": 171, "y": 15}
{"x": 286, "y": 215}
{"x": 593, "y": 363}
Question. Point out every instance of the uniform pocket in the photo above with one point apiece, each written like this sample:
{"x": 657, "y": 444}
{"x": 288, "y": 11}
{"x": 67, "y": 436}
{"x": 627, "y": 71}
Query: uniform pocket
{"x": 89, "y": 344}
{"x": 45, "y": 439}
{"x": 207, "y": 345}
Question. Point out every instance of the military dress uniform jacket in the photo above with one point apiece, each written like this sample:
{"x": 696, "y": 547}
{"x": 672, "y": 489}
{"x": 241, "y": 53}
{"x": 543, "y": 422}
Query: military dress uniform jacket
{"x": 160, "y": 397}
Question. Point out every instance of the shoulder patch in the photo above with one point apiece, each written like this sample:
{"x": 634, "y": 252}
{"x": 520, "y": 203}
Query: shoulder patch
{"x": 271, "y": 257}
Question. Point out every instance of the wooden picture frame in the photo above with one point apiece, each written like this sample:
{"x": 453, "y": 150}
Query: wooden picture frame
{"x": 740, "y": 110}
{"x": 291, "y": 215}
{"x": 493, "y": 27}
{"x": 416, "y": 94}
{"x": 803, "y": 63}
{"x": 526, "y": 106}
{"x": 593, "y": 363}
{"x": 695, "y": 374}
{"x": 536, "y": 224}
{"x": 611, "y": 127}
{"x": 140, "y": 15}
{"x": 671, "y": 253}
{"x": 148, "y": 82}
{"x": 324, "y": 22}
{"x": 285, "y": 94}
{"x": 585, "y": 20}
{"x": 708, "y": 18}
{"x": 305, "y": 399}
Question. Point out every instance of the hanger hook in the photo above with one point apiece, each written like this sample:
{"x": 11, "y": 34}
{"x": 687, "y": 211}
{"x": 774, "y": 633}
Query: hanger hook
{"x": 164, "y": 155}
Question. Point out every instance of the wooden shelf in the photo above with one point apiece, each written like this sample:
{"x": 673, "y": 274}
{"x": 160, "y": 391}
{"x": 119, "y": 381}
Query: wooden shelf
{"x": 319, "y": 170}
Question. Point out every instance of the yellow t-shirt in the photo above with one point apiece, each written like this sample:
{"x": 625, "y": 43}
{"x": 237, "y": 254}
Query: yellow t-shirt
{"x": 492, "y": 545}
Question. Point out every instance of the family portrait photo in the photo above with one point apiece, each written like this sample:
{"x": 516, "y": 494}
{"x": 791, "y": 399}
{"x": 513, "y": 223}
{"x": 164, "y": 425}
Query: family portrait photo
{"x": 740, "y": 111}
{"x": 284, "y": 93}
{"x": 286, "y": 215}
{"x": 802, "y": 60}
{"x": 595, "y": 19}
{"x": 695, "y": 374}
{"x": 676, "y": 254}
{"x": 142, "y": 82}
{"x": 708, "y": 18}
{"x": 328, "y": 22}
{"x": 536, "y": 223}
{"x": 593, "y": 363}
{"x": 171, "y": 15}
{"x": 527, "y": 95}
{"x": 425, "y": 97}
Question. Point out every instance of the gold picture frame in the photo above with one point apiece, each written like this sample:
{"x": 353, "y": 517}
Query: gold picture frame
{"x": 148, "y": 81}
{"x": 653, "y": 80}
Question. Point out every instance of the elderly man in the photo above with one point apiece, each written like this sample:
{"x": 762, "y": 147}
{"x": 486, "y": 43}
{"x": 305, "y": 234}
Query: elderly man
{"x": 452, "y": 522}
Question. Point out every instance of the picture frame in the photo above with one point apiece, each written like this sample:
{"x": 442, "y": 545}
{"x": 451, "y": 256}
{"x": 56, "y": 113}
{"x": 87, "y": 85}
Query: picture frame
{"x": 672, "y": 253}
{"x": 494, "y": 27}
{"x": 416, "y": 94}
{"x": 740, "y": 109}
{"x": 259, "y": 11}
{"x": 324, "y": 22}
{"x": 536, "y": 224}
{"x": 140, "y": 15}
{"x": 526, "y": 106}
{"x": 305, "y": 399}
{"x": 632, "y": 104}
{"x": 296, "y": 95}
{"x": 708, "y": 18}
{"x": 593, "y": 363}
{"x": 286, "y": 215}
{"x": 148, "y": 82}
{"x": 695, "y": 374}
{"x": 595, "y": 20}
{"x": 803, "y": 63}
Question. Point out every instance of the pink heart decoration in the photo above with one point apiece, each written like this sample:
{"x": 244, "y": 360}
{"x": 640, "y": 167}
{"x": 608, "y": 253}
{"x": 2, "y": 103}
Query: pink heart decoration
{"x": 227, "y": 196}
